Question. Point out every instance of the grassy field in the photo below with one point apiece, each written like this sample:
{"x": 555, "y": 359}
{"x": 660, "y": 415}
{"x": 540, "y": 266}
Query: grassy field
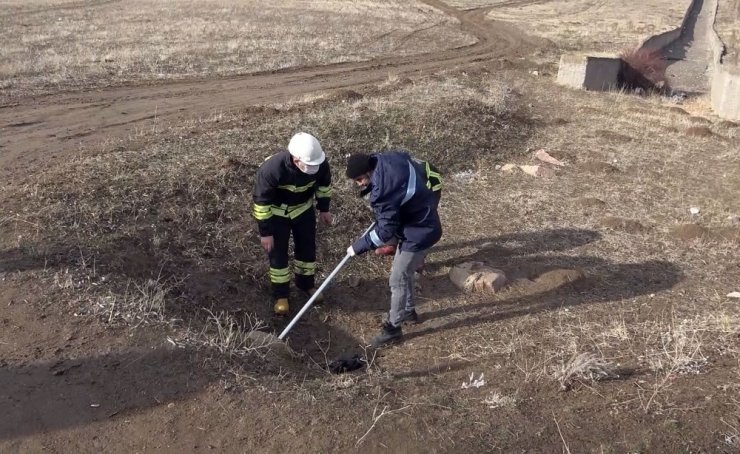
{"x": 589, "y": 25}
{"x": 133, "y": 280}
{"x": 51, "y": 45}
{"x": 158, "y": 233}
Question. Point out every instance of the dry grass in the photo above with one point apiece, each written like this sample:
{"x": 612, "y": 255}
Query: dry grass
{"x": 52, "y": 45}
{"x": 652, "y": 303}
{"x": 592, "y": 25}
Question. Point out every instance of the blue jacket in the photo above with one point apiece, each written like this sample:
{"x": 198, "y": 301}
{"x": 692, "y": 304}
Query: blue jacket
{"x": 405, "y": 208}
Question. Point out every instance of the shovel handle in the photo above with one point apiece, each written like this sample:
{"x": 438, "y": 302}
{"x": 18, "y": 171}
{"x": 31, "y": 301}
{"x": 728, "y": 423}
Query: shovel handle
{"x": 321, "y": 288}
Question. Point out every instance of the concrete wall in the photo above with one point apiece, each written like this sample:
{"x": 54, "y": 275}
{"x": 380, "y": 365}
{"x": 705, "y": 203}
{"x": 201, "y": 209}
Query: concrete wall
{"x": 725, "y": 80}
{"x": 599, "y": 73}
{"x": 667, "y": 38}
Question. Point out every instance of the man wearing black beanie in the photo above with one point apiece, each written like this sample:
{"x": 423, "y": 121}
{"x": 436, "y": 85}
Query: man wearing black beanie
{"x": 405, "y": 207}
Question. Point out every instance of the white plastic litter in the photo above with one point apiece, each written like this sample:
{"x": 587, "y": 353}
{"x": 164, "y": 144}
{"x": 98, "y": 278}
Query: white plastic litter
{"x": 473, "y": 382}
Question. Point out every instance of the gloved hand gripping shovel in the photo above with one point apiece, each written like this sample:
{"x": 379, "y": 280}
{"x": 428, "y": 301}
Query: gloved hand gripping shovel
{"x": 321, "y": 288}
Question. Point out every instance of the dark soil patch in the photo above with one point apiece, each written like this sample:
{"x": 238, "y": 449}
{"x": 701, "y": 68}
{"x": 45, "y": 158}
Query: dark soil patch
{"x": 622, "y": 224}
{"x": 599, "y": 167}
{"x": 699, "y": 131}
{"x": 728, "y": 124}
{"x": 689, "y": 232}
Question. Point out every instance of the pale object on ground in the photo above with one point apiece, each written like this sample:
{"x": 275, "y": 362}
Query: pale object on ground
{"x": 477, "y": 277}
{"x": 734, "y": 295}
{"x": 508, "y": 167}
{"x": 474, "y": 382}
{"x": 538, "y": 171}
{"x": 694, "y": 210}
{"x": 544, "y": 156}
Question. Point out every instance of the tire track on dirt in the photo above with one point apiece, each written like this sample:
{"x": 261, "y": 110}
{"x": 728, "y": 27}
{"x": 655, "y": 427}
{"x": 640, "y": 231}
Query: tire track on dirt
{"x": 64, "y": 7}
{"x": 63, "y": 123}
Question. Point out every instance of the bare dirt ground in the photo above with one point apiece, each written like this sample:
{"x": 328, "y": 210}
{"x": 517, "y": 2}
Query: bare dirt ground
{"x": 131, "y": 274}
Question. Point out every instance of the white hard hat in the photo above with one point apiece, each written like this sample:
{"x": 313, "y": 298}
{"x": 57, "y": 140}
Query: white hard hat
{"x": 305, "y": 147}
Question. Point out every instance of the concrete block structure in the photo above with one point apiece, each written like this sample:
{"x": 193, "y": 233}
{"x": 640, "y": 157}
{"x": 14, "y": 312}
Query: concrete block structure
{"x": 589, "y": 72}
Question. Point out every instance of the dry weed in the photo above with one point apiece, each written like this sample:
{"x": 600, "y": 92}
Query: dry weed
{"x": 583, "y": 367}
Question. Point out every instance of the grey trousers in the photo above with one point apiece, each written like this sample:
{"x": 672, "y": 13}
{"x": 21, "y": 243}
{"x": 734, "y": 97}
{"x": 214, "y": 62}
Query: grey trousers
{"x": 402, "y": 283}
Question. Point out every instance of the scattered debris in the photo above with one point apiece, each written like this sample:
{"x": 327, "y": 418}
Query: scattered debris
{"x": 544, "y": 156}
{"x": 346, "y": 364}
{"x": 474, "y": 382}
{"x": 466, "y": 176}
{"x": 477, "y": 277}
{"x": 496, "y": 400}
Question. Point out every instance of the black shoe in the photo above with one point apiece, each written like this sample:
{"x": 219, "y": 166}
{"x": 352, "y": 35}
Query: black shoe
{"x": 410, "y": 317}
{"x": 388, "y": 335}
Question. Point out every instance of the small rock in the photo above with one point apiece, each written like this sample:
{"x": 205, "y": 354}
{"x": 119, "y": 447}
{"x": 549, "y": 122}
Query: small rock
{"x": 694, "y": 211}
{"x": 171, "y": 405}
{"x": 734, "y": 295}
{"x": 544, "y": 156}
{"x": 538, "y": 171}
{"x": 477, "y": 277}
{"x": 534, "y": 73}
{"x": 508, "y": 167}
{"x": 353, "y": 281}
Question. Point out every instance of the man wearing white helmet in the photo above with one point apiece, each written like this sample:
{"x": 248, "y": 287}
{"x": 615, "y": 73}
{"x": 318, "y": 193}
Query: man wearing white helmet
{"x": 286, "y": 186}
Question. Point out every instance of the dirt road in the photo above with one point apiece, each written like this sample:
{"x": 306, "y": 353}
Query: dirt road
{"x": 35, "y": 130}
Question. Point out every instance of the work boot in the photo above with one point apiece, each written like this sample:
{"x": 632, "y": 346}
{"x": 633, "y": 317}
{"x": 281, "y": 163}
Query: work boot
{"x": 388, "y": 335}
{"x": 319, "y": 299}
{"x": 281, "y": 307}
{"x": 410, "y": 317}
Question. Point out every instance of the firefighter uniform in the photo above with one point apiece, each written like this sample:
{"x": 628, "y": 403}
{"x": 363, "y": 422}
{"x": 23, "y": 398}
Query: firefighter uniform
{"x": 284, "y": 198}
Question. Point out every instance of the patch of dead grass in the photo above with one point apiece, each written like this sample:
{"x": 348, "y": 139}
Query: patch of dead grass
{"x": 51, "y": 45}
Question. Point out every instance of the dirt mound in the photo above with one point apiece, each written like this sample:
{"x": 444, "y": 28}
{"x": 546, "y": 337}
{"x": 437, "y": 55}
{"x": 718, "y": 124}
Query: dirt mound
{"x": 699, "y": 131}
{"x": 689, "y": 232}
{"x": 622, "y": 224}
{"x": 347, "y": 96}
{"x": 599, "y": 167}
{"x": 558, "y": 277}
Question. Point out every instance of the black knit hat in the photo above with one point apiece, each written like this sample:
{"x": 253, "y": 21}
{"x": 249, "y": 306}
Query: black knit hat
{"x": 358, "y": 165}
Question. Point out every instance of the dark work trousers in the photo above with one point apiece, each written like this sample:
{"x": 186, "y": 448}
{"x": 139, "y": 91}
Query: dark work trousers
{"x": 304, "y": 240}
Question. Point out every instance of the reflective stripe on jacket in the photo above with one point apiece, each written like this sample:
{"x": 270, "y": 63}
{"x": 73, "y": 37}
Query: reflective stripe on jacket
{"x": 404, "y": 206}
{"x": 281, "y": 189}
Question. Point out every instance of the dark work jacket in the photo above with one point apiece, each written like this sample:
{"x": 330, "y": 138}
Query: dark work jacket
{"x": 405, "y": 207}
{"x": 281, "y": 189}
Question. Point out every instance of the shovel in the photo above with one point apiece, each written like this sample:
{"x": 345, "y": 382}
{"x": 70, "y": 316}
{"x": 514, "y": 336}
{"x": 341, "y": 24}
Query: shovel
{"x": 321, "y": 288}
